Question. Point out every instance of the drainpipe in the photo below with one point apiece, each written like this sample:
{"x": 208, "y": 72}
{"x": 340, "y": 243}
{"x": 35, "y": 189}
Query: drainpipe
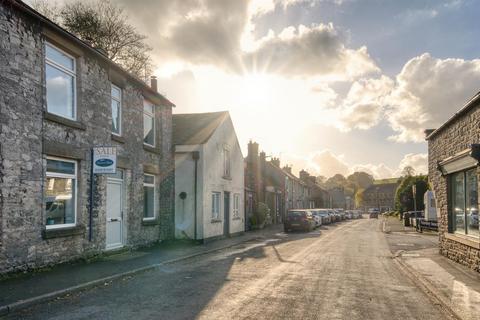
{"x": 195, "y": 156}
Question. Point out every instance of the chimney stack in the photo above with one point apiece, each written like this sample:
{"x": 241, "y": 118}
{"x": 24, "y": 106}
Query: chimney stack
{"x": 153, "y": 83}
{"x": 288, "y": 169}
{"x": 428, "y": 132}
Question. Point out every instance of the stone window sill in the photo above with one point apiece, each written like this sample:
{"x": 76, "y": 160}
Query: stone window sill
{"x": 227, "y": 177}
{"x": 236, "y": 218}
{"x": 64, "y": 121}
{"x": 150, "y": 222}
{"x": 116, "y": 138}
{"x": 151, "y": 149}
{"x": 216, "y": 220}
{"x": 463, "y": 239}
{"x": 63, "y": 232}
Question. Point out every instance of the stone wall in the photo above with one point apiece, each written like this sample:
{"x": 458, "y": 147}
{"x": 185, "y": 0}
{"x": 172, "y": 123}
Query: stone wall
{"x": 455, "y": 137}
{"x": 28, "y": 134}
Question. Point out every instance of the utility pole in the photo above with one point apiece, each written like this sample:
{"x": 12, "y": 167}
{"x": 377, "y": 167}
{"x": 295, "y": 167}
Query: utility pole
{"x": 414, "y": 191}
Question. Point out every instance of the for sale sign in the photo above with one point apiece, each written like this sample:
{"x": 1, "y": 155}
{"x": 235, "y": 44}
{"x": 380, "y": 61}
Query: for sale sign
{"x": 104, "y": 160}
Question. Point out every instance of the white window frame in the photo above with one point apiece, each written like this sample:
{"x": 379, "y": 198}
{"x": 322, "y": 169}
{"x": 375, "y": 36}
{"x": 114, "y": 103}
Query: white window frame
{"x": 120, "y": 113}
{"x": 154, "y": 194}
{"x": 67, "y": 176}
{"x": 236, "y": 205}
{"x": 216, "y": 215}
{"x": 68, "y": 71}
{"x": 227, "y": 166}
{"x": 154, "y": 124}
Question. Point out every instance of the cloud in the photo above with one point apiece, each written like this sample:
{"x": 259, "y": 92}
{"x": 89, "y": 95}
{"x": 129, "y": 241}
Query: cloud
{"x": 363, "y": 106}
{"x": 318, "y": 50}
{"x": 428, "y": 91}
{"x": 221, "y": 34}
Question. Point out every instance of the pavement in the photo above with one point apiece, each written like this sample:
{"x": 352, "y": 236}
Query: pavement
{"x": 341, "y": 271}
{"x": 31, "y": 288}
{"x": 454, "y": 286}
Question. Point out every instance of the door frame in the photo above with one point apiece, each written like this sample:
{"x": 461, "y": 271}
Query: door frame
{"x": 121, "y": 182}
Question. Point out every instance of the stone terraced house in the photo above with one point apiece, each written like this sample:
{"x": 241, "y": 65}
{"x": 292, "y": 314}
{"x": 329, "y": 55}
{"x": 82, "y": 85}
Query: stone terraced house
{"x": 453, "y": 159}
{"x": 59, "y": 97}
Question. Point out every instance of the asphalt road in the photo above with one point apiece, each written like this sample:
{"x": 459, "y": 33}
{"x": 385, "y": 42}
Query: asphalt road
{"x": 338, "y": 272}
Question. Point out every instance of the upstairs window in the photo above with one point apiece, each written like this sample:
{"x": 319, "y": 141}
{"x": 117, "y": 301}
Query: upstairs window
{"x": 464, "y": 202}
{"x": 226, "y": 162}
{"x": 60, "y": 75}
{"x": 116, "y": 94}
{"x": 148, "y": 123}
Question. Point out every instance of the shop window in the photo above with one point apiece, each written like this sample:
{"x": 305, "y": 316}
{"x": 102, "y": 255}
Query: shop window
{"x": 464, "y": 202}
{"x": 60, "y": 78}
{"x": 148, "y": 197}
{"x": 60, "y": 193}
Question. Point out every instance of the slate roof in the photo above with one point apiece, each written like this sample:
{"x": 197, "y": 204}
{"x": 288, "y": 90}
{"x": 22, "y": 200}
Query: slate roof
{"x": 196, "y": 128}
{"x": 390, "y": 188}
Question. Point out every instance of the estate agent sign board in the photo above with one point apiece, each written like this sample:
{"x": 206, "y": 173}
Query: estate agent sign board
{"x": 104, "y": 160}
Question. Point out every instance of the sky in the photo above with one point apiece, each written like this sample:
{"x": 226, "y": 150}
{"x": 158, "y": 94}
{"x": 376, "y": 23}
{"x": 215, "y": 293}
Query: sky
{"x": 331, "y": 86}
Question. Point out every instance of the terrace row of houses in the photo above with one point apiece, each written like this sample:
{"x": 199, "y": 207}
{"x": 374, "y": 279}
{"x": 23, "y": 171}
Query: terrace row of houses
{"x": 176, "y": 176}
{"x": 267, "y": 182}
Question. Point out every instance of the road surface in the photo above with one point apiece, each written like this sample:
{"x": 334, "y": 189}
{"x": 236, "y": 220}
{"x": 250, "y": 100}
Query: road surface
{"x": 344, "y": 271}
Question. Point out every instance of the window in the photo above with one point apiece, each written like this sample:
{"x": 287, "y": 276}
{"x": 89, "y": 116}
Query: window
{"x": 236, "y": 205}
{"x": 116, "y": 94}
{"x": 148, "y": 197}
{"x": 60, "y": 76}
{"x": 148, "y": 123}
{"x": 226, "y": 162}
{"x": 60, "y": 193}
{"x": 464, "y": 202}
{"x": 216, "y": 205}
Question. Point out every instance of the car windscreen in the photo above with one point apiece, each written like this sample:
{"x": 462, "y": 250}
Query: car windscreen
{"x": 296, "y": 214}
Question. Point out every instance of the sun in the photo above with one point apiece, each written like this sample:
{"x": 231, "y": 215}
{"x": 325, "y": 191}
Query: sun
{"x": 256, "y": 90}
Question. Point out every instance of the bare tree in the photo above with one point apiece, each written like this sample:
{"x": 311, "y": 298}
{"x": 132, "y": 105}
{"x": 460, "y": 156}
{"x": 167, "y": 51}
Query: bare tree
{"x": 105, "y": 26}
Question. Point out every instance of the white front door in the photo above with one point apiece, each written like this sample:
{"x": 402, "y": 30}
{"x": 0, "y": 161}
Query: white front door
{"x": 114, "y": 231}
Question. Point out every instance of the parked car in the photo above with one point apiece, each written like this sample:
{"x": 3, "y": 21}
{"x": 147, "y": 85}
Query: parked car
{"x": 335, "y": 215}
{"x": 317, "y": 218}
{"x": 326, "y": 217}
{"x": 298, "y": 219}
{"x": 373, "y": 213}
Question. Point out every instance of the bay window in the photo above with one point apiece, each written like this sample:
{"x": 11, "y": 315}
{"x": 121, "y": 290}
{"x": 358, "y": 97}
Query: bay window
{"x": 60, "y": 76}
{"x": 60, "y": 193}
